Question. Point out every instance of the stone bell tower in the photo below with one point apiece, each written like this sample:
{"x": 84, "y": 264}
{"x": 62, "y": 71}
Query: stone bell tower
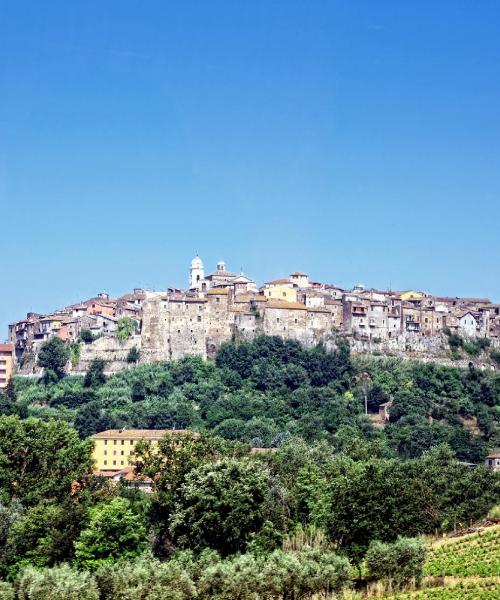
{"x": 196, "y": 273}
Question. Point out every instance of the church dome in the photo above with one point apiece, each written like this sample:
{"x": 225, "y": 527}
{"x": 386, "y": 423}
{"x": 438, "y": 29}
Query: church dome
{"x": 197, "y": 263}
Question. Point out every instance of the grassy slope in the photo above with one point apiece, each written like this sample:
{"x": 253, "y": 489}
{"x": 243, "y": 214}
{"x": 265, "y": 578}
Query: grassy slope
{"x": 470, "y": 566}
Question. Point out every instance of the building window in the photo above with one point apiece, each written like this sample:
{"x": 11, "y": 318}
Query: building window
{"x": 105, "y": 442}
{"x": 105, "y": 462}
{"x": 114, "y": 452}
{"x": 277, "y": 319}
{"x": 131, "y": 442}
{"x": 217, "y": 299}
{"x": 105, "y": 452}
{"x": 114, "y": 462}
{"x": 114, "y": 442}
{"x": 121, "y": 462}
{"x": 199, "y": 319}
{"x": 122, "y": 453}
{"x": 284, "y": 294}
{"x": 123, "y": 441}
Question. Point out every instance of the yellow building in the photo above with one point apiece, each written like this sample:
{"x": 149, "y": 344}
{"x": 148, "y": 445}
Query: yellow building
{"x": 281, "y": 289}
{"x": 114, "y": 448}
{"x": 411, "y": 295}
{"x": 6, "y": 364}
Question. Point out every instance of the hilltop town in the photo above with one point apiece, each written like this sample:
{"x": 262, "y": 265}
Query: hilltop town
{"x": 223, "y": 305}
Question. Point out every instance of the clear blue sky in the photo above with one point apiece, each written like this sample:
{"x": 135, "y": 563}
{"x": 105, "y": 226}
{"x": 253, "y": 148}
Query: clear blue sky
{"x": 359, "y": 141}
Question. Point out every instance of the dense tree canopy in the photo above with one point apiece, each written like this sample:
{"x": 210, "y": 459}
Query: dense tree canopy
{"x": 327, "y": 483}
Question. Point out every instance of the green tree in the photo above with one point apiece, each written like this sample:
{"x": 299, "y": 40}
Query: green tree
{"x": 114, "y": 531}
{"x": 133, "y": 355}
{"x": 86, "y": 336}
{"x": 44, "y": 535}
{"x": 126, "y": 328}
{"x": 53, "y": 356}
{"x": 220, "y": 505}
{"x": 41, "y": 460}
{"x": 399, "y": 563}
{"x": 94, "y": 377}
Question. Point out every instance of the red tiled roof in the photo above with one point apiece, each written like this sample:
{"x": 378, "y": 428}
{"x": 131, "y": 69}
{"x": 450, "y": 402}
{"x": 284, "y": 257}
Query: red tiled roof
{"x": 277, "y": 281}
{"x": 145, "y": 434}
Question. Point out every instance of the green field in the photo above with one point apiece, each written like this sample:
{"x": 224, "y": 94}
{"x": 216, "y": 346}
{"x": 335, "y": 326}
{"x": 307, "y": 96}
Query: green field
{"x": 470, "y": 564}
{"x": 487, "y": 589}
{"x": 475, "y": 555}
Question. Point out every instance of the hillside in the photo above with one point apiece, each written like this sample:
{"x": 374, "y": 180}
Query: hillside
{"x": 263, "y": 391}
{"x": 469, "y": 567}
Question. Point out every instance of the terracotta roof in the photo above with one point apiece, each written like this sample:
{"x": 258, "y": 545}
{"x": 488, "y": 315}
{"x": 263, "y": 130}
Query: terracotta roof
{"x": 218, "y": 291}
{"x": 143, "y": 434}
{"x": 318, "y": 309}
{"x": 127, "y": 474}
{"x": 6, "y": 347}
{"x": 494, "y": 455}
{"x": 298, "y": 274}
{"x": 274, "y": 303}
{"x": 277, "y": 282}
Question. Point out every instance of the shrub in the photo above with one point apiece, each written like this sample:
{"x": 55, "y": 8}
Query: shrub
{"x": 94, "y": 377}
{"x": 75, "y": 351}
{"x": 126, "y": 328}
{"x": 495, "y": 356}
{"x": 455, "y": 341}
{"x": 146, "y": 578}
{"x": 472, "y": 348}
{"x": 6, "y": 591}
{"x": 398, "y": 563}
{"x": 86, "y": 336}
{"x": 133, "y": 355}
{"x": 483, "y": 343}
{"x": 57, "y": 583}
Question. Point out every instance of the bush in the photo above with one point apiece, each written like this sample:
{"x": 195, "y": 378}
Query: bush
{"x": 133, "y": 355}
{"x": 145, "y": 579}
{"x": 86, "y": 336}
{"x": 398, "y": 563}
{"x": 495, "y": 356}
{"x": 6, "y": 591}
{"x": 126, "y": 328}
{"x": 472, "y": 348}
{"x": 57, "y": 583}
{"x": 455, "y": 341}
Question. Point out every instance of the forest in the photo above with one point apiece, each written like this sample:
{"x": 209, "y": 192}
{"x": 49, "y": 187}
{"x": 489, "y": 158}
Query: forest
{"x": 335, "y": 501}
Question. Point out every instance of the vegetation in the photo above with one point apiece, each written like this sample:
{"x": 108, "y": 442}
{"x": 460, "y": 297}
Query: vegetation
{"x": 126, "y": 328}
{"x": 332, "y": 493}
{"x": 53, "y": 356}
{"x": 475, "y": 555}
{"x": 399, "y": 563}
{"x": 133, "y": 355}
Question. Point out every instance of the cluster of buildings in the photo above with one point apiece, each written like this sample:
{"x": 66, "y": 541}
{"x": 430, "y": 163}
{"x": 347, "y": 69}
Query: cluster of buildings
{"x": 223, "y": 305}
{"x": 99, "y": 315}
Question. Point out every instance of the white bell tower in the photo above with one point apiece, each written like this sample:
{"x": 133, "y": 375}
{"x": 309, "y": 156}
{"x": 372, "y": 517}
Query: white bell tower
{"x": 196, "y": 273}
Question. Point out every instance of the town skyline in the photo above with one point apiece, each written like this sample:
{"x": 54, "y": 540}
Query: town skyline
{"x": 69, "y": 298}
